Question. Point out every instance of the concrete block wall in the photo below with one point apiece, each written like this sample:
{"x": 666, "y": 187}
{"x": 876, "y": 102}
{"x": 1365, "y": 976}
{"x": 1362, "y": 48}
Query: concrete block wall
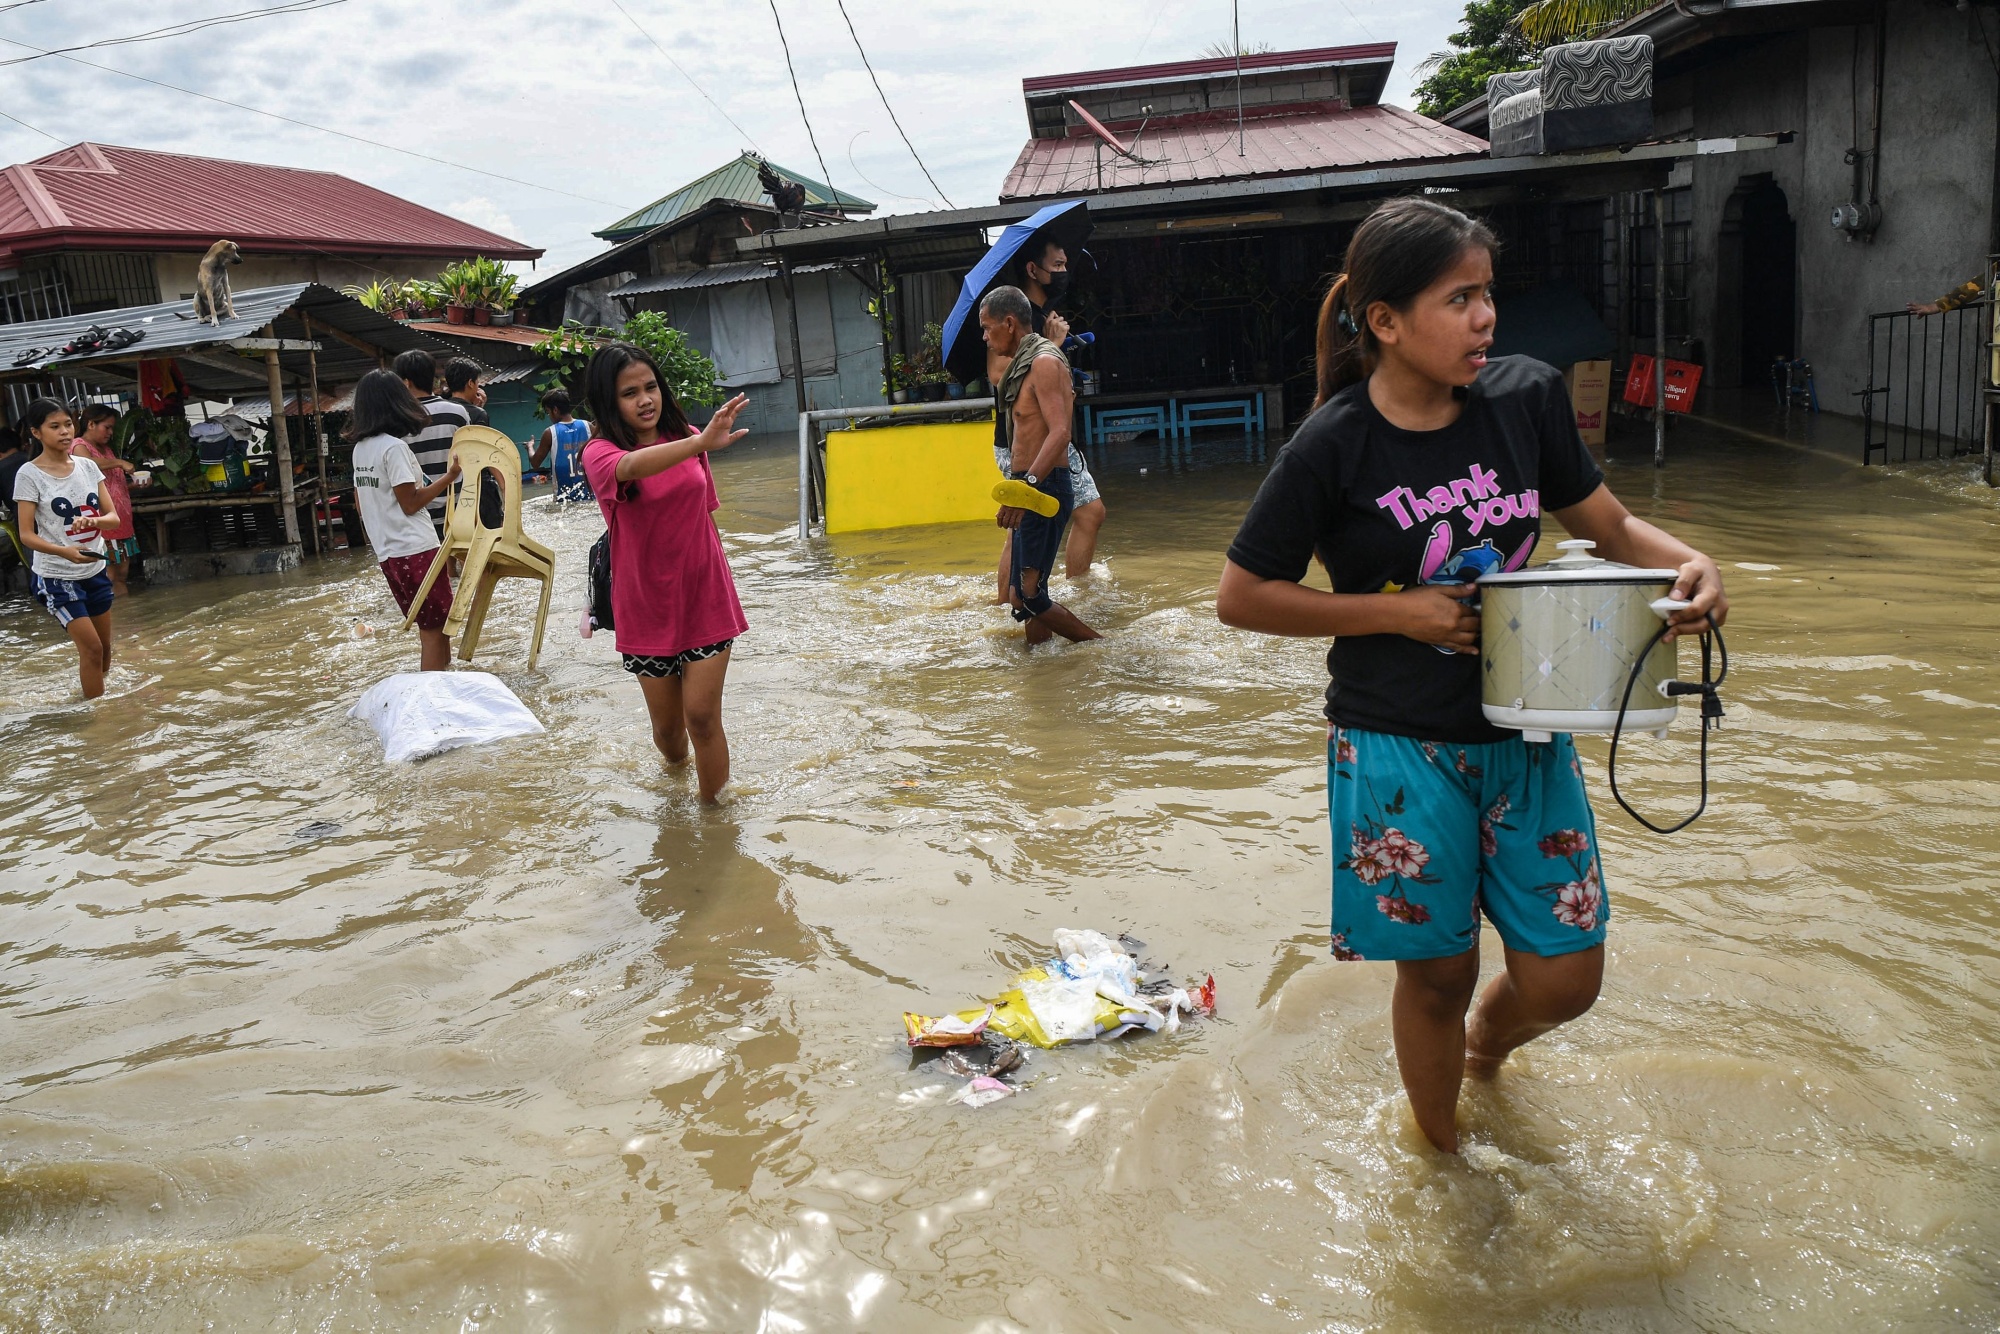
{"x": 1937, "y": 172}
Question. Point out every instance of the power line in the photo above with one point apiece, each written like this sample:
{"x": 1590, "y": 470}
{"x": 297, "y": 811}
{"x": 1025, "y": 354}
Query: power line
{"x": 886, "y": 107}
{"x": 824, "y": 174}
{"x": 183, "y": 29}
{"x": 684, "y": 74}
{"x": 306, "y": 124}
{"x": 22, "y": 123}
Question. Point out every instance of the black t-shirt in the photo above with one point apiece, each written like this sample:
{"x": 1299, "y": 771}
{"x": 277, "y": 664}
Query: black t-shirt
{"x": 9, "y": 465}
{"x": 1386, "y": 509}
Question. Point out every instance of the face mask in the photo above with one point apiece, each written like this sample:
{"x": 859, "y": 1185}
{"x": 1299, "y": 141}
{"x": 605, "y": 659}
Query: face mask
{"x": 1057, "y": 285}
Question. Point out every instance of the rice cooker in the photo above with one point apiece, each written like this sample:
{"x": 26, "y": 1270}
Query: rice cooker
{"x": 1558, "y": 644}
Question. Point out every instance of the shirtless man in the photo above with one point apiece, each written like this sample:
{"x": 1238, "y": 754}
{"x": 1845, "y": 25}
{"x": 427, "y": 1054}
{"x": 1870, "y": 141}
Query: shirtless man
{"x": 1034, "y": 399}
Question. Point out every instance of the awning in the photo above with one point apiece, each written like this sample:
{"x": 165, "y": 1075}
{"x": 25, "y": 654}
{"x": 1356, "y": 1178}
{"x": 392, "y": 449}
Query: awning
{"x": 220, "y": 361}
{"x": 715, "y": 275}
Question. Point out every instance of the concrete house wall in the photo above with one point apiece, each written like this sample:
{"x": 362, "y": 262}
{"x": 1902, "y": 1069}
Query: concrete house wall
{"x": 1937, "y": 176}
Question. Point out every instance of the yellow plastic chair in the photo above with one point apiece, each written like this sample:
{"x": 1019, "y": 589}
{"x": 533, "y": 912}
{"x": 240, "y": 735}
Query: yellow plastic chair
{"x": 490, "y": 554}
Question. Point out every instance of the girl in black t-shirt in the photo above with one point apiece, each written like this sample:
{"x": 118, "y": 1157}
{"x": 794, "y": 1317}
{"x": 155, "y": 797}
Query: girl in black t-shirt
{"x": 1421, "y": 467}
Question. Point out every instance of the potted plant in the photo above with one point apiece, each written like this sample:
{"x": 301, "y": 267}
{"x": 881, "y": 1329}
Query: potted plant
{"x": 901, "y": 378}
{"x": 459, "y": 285}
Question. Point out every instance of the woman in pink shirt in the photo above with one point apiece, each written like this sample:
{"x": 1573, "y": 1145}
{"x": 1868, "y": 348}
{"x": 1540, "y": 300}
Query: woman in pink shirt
{"x": 673, "y": 602}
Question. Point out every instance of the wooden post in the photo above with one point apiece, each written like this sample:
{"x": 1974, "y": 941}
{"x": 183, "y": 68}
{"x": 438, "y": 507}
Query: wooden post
{"x": 281, "y": 445}
{"x": 1660, "y": 325}
{"x": 325, "y": 505}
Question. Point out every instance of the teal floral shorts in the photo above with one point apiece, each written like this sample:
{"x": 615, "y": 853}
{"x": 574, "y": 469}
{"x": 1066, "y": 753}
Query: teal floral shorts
{"x": 1427, "y": 835}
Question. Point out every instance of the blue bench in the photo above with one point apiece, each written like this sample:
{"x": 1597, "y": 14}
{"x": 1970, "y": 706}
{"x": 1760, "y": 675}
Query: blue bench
{"x": 1099, "y": 423}
{"x": 1246, "y": 414}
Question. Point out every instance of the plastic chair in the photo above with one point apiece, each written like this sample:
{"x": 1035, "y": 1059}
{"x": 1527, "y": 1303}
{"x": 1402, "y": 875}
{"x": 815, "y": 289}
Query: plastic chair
{"x": 1099, "y": 423}
{"x": 490, "y": 554}
{"x": 14, "y": 536}
{"x": 1245, "y": 413}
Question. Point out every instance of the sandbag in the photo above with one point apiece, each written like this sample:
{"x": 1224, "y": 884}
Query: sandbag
{"x": 416, "y": 714}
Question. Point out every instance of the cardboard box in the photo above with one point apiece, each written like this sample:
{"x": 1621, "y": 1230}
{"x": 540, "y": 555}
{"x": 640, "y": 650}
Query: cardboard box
{"x": 1590, "y": 394}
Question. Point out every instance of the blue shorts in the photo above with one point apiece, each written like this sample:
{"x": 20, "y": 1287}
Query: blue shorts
{"x": 1429, "y": 834}
{"x": 68, "y": 599}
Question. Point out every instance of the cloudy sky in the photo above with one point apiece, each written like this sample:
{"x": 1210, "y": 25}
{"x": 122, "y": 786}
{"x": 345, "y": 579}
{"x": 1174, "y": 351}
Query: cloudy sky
{"x": 586, "y": 116}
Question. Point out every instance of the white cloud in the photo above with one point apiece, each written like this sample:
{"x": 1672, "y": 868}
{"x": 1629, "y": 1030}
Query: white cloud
{"x": 565, "y": 95}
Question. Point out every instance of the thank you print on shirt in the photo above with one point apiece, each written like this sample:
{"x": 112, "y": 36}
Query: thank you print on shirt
{"x": 1480, "y": 502}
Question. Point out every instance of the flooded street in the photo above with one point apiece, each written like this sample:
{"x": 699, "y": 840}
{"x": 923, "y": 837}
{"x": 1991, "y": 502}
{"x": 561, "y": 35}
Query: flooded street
{"x": 519, "y": 1038}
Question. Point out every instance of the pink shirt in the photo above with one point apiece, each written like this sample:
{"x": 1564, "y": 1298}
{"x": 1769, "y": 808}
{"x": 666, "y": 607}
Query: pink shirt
{"x": 671, "y": 590}
{"x": 116, "y": 490}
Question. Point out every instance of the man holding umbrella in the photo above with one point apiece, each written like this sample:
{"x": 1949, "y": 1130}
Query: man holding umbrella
{"x": 1031, "y": 252}
{"x": 1044, "y": 266}
{"x": 1034, "y": 398}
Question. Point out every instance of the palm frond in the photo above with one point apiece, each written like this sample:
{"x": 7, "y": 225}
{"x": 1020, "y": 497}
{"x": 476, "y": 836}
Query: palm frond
{"x": 1549, "y": 21}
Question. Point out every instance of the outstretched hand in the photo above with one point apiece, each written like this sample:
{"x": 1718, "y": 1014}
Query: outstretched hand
{"x": 720, "y": 433}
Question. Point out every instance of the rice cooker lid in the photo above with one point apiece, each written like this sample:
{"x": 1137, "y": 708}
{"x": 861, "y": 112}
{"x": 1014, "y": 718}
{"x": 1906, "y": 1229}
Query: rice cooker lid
{"x": 1578, "y": 566}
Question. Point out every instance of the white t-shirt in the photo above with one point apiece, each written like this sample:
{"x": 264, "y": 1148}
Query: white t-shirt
{"x": 381, "y": 464}
{"x": 59, "y": 502}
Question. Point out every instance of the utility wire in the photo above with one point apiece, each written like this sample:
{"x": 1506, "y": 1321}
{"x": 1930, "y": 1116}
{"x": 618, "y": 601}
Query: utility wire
{"x": 18, "y": 4}
{"x": 23, "y": 124}
{"x": 306, "y": 124}
{"x": 619, "y": 4}
{"x": 886, "y": 107}
{"x": 183, "y": 29}
{"x": 824, "y": 174}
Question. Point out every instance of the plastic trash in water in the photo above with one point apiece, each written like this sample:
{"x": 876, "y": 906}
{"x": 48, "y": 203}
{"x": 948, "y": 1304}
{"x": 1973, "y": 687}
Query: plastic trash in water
{"x": 983, "y": 1091}
{"x": 1095, "y": 988}
{"x": 426, "y": 713}
{"x": 950, "y": 1031}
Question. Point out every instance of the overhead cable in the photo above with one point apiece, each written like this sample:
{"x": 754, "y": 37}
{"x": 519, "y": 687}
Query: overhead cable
{"x": 886, "y": 107}
{"x": 619, "y": 4}
{"x": 24, "y": 125}
{"x": 306, "y": 124}
{"x": 182, "y": 29}
{"x": 824, "y": 174}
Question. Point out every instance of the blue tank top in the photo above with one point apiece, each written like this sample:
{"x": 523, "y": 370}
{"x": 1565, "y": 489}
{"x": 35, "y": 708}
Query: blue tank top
{"x": 566, "y": 454}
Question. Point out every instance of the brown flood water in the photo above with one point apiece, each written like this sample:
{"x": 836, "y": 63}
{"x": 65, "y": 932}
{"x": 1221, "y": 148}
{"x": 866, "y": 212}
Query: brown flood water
{"x": 520, "y": 1039}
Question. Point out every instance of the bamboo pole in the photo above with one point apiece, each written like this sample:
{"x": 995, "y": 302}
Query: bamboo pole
{"x": 324, "y": 507}
{"x": 281, "y": 445}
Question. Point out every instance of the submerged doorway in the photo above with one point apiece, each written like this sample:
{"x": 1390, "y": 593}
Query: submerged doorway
{"x": 1756, "y": 282}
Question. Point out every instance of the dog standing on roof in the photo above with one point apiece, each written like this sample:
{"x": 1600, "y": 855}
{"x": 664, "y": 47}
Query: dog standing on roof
{"x": 212, "y": 301}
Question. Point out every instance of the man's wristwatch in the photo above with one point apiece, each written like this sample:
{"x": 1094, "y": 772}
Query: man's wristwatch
{"x": 1030, "y": 478}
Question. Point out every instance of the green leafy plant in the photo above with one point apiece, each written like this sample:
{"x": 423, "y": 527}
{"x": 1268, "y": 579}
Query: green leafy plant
{"x": 1548, "y": 21}
{"x": 141, "y": 435}
{"x": 378, "y": 296}
{"x": 568, "y": 350}
{"x": 421, "y": 297}
{"x": 1487, "y": 43}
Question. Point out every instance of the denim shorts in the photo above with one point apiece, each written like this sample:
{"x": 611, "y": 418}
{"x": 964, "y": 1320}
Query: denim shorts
{"x": 68, "y": 599}
{"x": 1038, "y": 546}
{"x": 1427, "y": 835}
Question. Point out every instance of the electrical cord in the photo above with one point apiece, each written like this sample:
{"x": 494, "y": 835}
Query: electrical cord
{"x": 1711, "y": 714}
{"x": 182, "y": 29}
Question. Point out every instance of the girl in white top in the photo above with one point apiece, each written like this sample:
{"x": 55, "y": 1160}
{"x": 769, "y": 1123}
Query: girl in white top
{"x": 390, "y": 492}
{"x": 62, "y": 509}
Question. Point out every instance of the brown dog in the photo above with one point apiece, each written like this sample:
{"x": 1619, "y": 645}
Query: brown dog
{"x": 211, "y": 283}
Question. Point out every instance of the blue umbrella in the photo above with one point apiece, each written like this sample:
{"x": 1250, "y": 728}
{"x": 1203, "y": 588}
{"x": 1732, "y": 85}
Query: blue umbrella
{"x": 1067, "y": 224}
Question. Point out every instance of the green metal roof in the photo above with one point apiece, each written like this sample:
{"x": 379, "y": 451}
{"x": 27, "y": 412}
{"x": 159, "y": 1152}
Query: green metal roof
{"x": 737, "y": 181}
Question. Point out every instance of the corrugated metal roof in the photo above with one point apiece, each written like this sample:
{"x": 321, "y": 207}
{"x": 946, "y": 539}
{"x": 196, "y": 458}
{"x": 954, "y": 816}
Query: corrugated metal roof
{"x": 736, "y": 181}
{"x": 1272, "y": 146}
{"x": 104, "y": 196}
{"x": 1260, "y": 63}
{"x": 520, "y": 335}
{"x": 208, "y": 363}
{"x": 715, "y": 275}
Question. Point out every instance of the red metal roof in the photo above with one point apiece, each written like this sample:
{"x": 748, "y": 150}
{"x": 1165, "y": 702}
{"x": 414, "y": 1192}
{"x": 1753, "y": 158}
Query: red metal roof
{"x": 100, "y": 196}
{"x": 1190, "y": 69}
{"x": 1206, "y": 150}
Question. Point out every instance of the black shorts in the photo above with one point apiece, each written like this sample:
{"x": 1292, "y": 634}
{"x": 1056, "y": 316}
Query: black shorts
{"x": 671, "y": 664}
{"x": 1038, "y": 544}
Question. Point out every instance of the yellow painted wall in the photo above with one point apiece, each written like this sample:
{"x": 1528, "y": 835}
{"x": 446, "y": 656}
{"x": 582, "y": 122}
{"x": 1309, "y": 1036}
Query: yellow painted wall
{"x": 904, "y": 475}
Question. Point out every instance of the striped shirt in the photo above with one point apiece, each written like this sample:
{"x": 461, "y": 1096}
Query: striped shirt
{"x": 432, "y": 445}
